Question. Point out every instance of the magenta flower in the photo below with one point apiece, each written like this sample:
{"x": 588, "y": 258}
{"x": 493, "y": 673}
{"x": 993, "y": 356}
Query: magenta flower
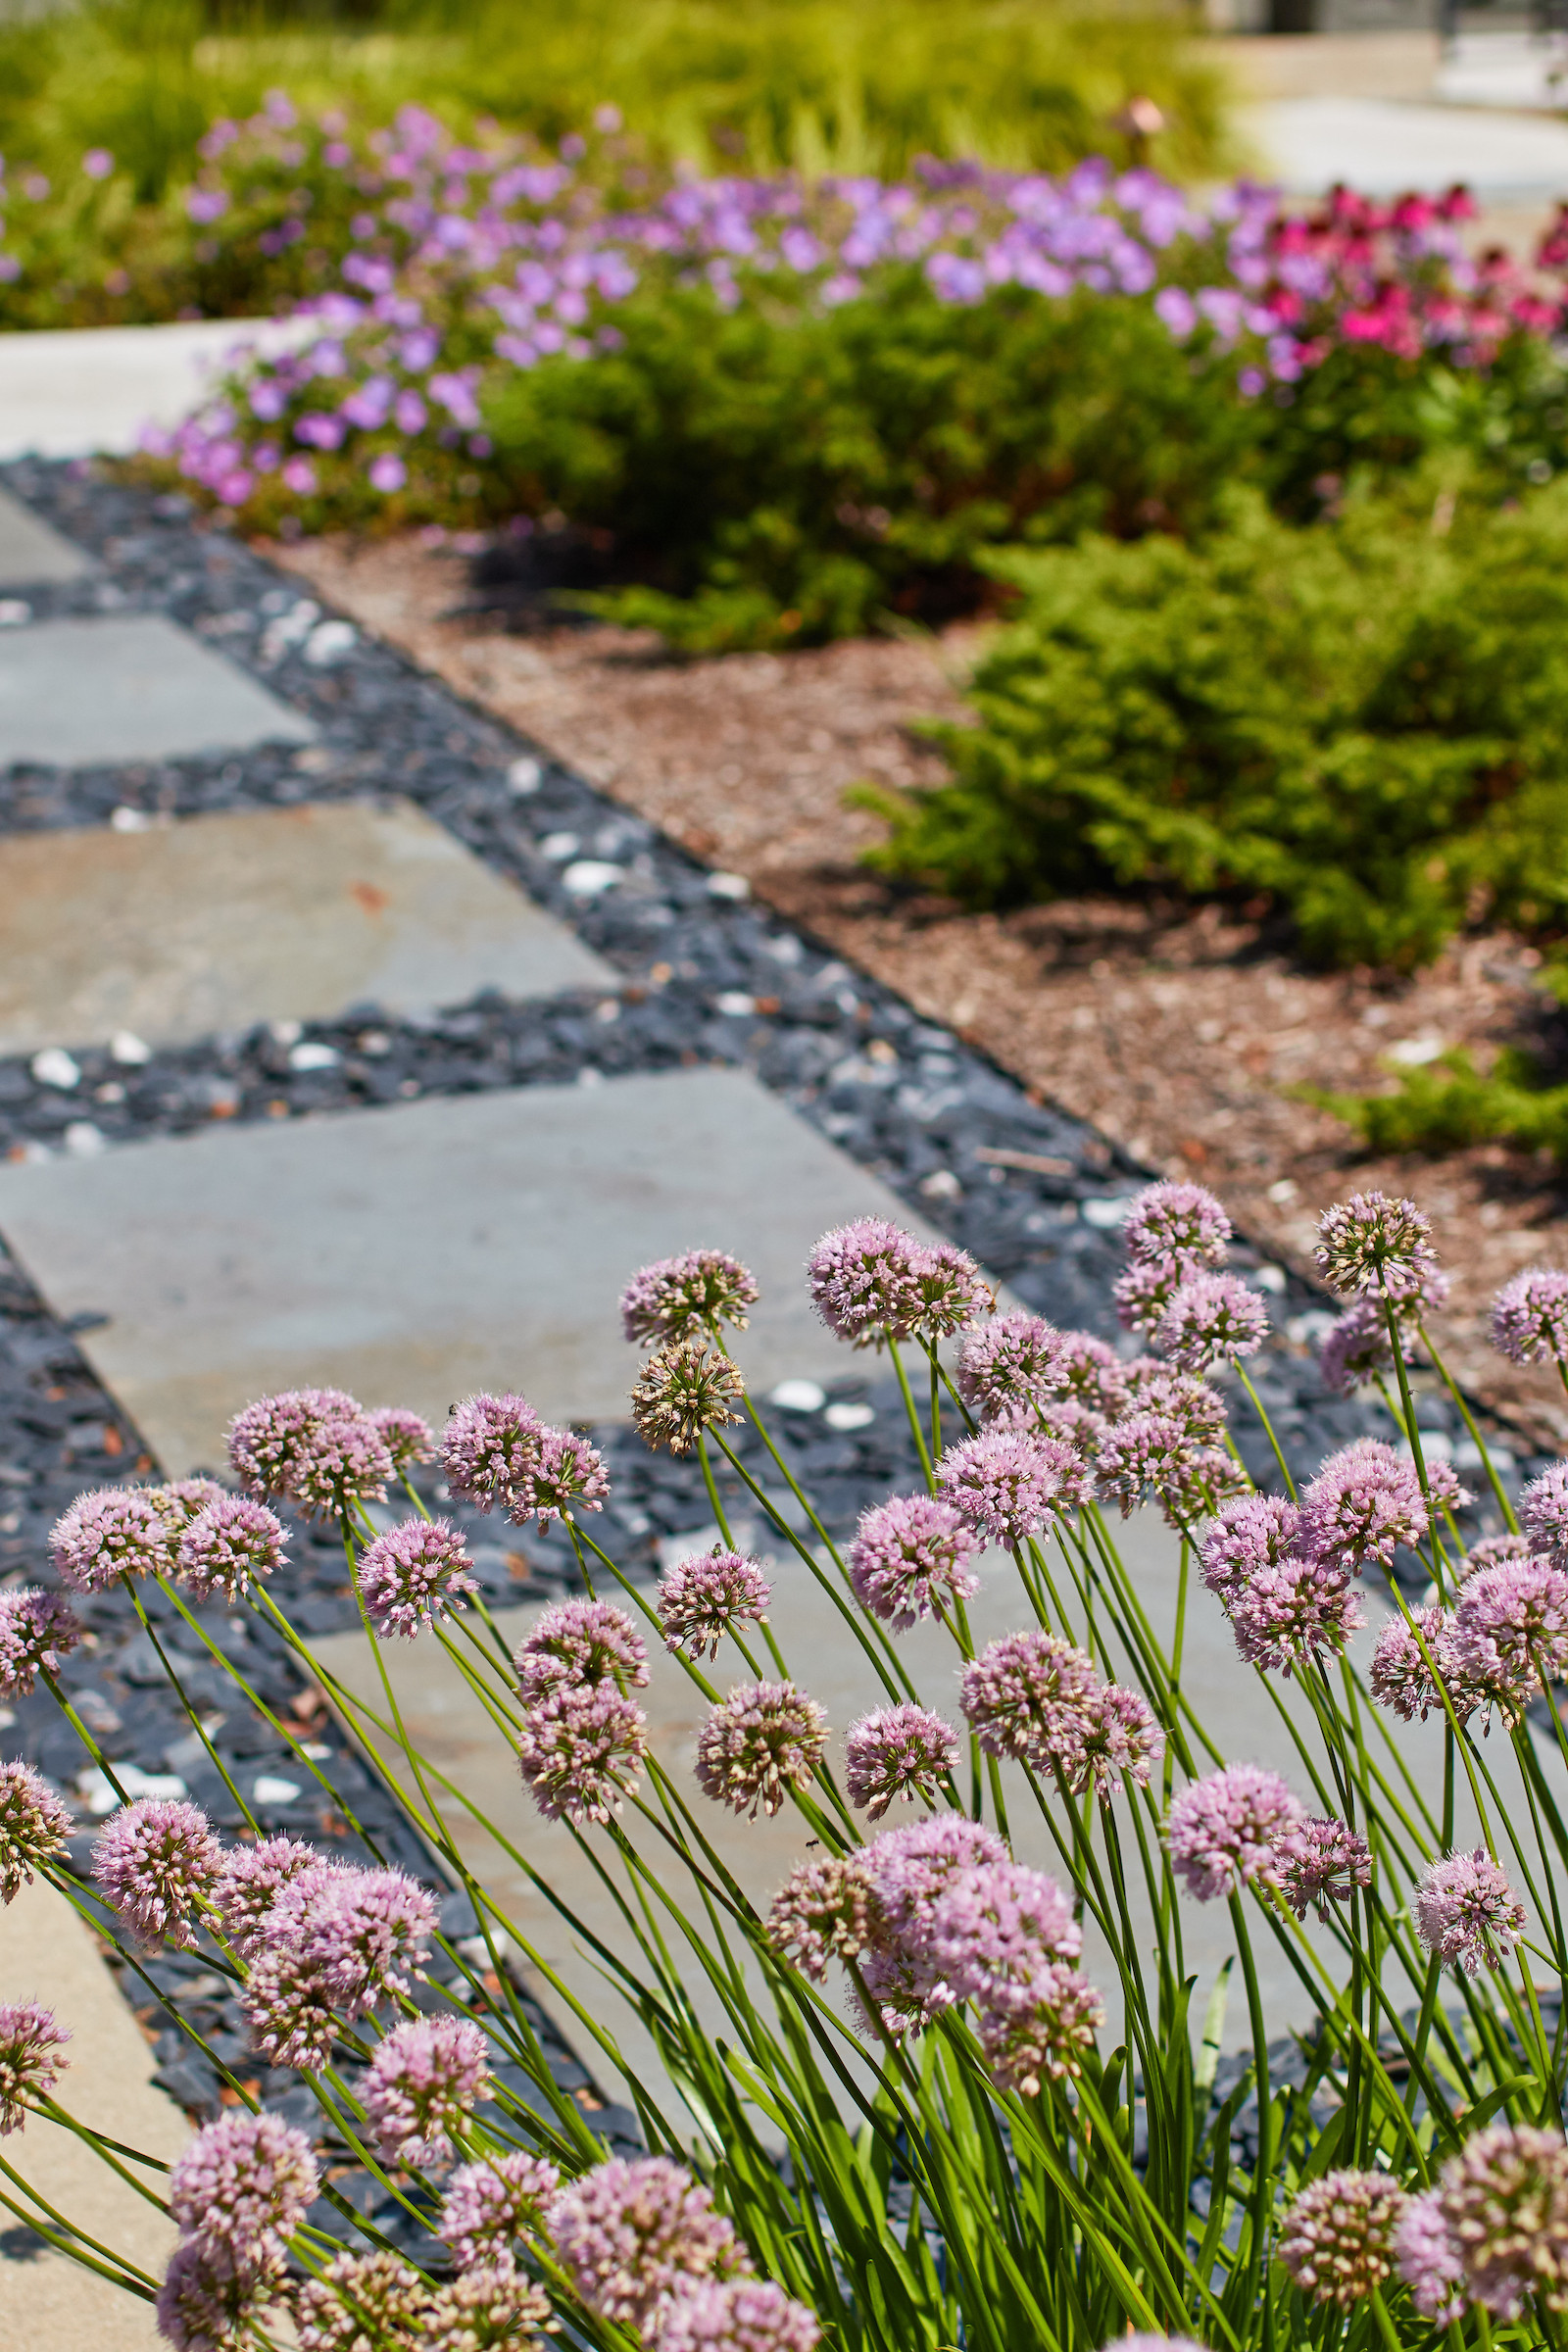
{"x": 702, "y": 1597}
{"x": 343, "y": 1462}
{"x": 897, "y": 1752}
{"x": 288, "y": 2009}
{"x": 1093, "y": 1375}
{"x": 1181, "y": 1221}
{"x": 1543, "y": 1511}
{"x": 181, "y": 1501}
{"x": 1511, "y": 1627}
{"x": 1144, "y": 1294}
{"x": 581, "y": 1749}
{"x": 249, "y": 1884}
{"x": 587, "y": 1641}
{"x": 1426, "y": 2258}
{"x": 909, "y": 1867}
{"x": 683, "y": 1297}
{"x": 1115, "y": 1739}
{"x": 34, "y": 1824}
{"x": 487, "y": 1447}
{"x": 37, "y": 1629}
{"x": 1222, "y": 1833}
{"x": 1466, "y": 1913}
{"x": 1319, "y": 1863}
{"x": 1213, "y": 1319}
{"x": 1529, "y": 1316}
{"x": 414, "y": 1574}
{"x": 365, "y": 2300}
{"x": 156, "y": 1864}
{"x": 1038, "y": 2031}
{"x": 110, "y": 1531}
{"x": 1364, "y": 1502}
{"x": 242, "y": 2183}
{"x": 758, "y": 1743}
{"x": 229, "y": 1544}
{"x": 1295, "y": 1615}
{"x": 1373, "y": 1243}
{"x": 1009, "y": 1365}
{"x": 1491, "y": 1552}
{"x": 1155, "y": 1387}
{"x": 567, "y": 1475}
{"x": 739, "y": 2315}
{"x": 1025, "y": 1697}
{"x": 422, "y": 2086}
{"x": 1336, "y": 2241}
{"x": 1357, "y": 1350}
{"x": 406, "y": 1438}
{"x": 631, "y": 2235}
{"x": 992, "y": 1924}
{"x": 1156, "y": 1451}
{"x": 908, "y": 1560}
{"x": 29, "y": 2061}
{"x": 1504, "y": 2202}
{"x": 825, "y": 1910}
{"x": 1007, "y": 1483}
{"x": 1254, "y": 1531}
{"x": 491, "y": 2204}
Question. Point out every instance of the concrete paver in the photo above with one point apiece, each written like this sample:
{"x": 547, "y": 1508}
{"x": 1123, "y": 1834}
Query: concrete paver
{"x": 70, "y": 392}
{"x": 131, "y": 686}
{"x": 1383, "y": 147}
{"x": 30, "y": 551}
{"x": 217, "y": 922}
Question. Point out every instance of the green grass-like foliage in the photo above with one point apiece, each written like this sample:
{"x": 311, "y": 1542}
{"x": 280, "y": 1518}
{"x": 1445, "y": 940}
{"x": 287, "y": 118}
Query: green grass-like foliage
{"x": 1365, "y": 721}
{"x": 1450, "y": 1106}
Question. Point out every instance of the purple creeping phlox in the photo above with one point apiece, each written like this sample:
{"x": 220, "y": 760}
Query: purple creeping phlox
{"x": 229, "y": 1545}
{"x": 633, "y": 2236}
{"x": 411, "y": 1574}
{"x": 487, "y": 1448}
{"x": 156, "y": 1864}
{"x": 243, "y": 2185}
{"x": 34, "y": 1824}
{"x": 1009, "y": 1365}
{"x": 910, "y": 1560}
{"x": 1503, "y": 2200}
{"x": 1223, "y": 1832}
{"x": 106, "y": 1533}
{"x": 31, "y": 2065}
{"x": 702, "y": 1597}
{"x": 1336, "y": 2241}
{"x": 897, "y": 1752}
{"x": 423, "y": 2083}
{"x": 683, "y": 1297}
{"x": 1466, "y": 1913}
{"x": 489, "y": 2205}
{"x": 38, "y": 1630}
{"x": 762, "y": 1741}
{"x": 1529, "y": 1316}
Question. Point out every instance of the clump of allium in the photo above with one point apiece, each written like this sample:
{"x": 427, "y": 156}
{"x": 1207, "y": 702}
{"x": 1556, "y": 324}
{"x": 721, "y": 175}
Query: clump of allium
{"x": 580, "y": 1641}
{"x": 1428, "y": 2261}
{"x": 34, "y": 1824}
{"x": 1503, "y": 2200}
{"x": 109, "y": 1531}
{"x": 407, "y": 1437}
{"x": 1092, "y": 1374}
{"x": 267, "y": 1438}
{"x": 413, "y": 1574}
{"x": 681, "y": 1391}
{"x": 30, "y": 2042}
{"x": 252, "y": 1879}
{"x": 1183, "y": 1221}
{"x": 682, "y": 1298}
{"x": 363, "y": 2303}
{"x": 1292, "y": 1615}
{"x": 1069, "y": 1422}
{"x": 1466, "y": 1913}
{"x": 1213, "y": 1319}
{"x": 1529, "y": 1316}
{"x": 422, "y": 2086}
{"x": 1511, "y": 1627}
{"x": 1491, "y": 1552}
{"x": 1222, "y": 1831}
{"x": 205, "y": 2304}
{"x": 485, "y": 2311}
{"x": 242, "y": 2183}
{"x": 1010, "y": 1364}
{"x": 565, "y": 1476}
{"x": 1254, "y": 1531}
{"x": 1543, "y": 1511}
{"x": 1370, "y": 1243}
{"x": 908, "y": 1869}
{"x": 288, "y": 2008}
{"x": 824, "y": 1910}
{"x": 368, "y": 1931}
{"x": 758, "y": 1743}
{"x": 739, "y": 2315}
{"x": 1336, "y": 2241}
{"x": 1143, "y": 1293}
{"x": 229, "y": 1544}
{"x": 1364, "y": 1502}
{"x": 702, "y": 1597}
{"x": 37, "y": 1629}
{"x": 343, "y": 1462}
{"x": 632, "y": 2235}
{"x": 1320, "y": 1861}
{"x": 1156, "y": 1451}
{"x": 491, "y": 2204}
{"x": 487, "y": 1448}
{"x": 1007, "y": 1482}
{"x": 1025, "y": 1695}
{"x": 1401, "y": 1677}
{"x": 1358, "y": 1348}
{"x": 910, "y": 1560}
{"x": 1114, "y": 1739}
{"x": 1155, "y": 1387}
{"x": 156, "y": 1864}
{"x": 581, "y": 1747}
{"x": 897, "y": 1752}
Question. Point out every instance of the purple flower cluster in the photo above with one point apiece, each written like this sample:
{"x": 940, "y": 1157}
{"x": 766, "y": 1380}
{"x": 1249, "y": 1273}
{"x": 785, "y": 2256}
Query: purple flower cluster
{"x": 489, "y": 2205}
{"x": 898, "y": 1752}
{"x": 229, "y": 1544}
{"x": 38, "y": 1630}
{"x": 1225, "y": 1832}
{"x": 334, "y": 1940}
{"x": 1365, "y": 1501}
{"x": 414, "y": 1574}
{"x": 872, "y": 1282}
{"x": 824, "y": 1910}
{"x": 1466, "y": 1913}
{"x": 1501, "y": 2207}
{"x": 1338, "y": 2239}
{"x": 1158, "y": 1452}
{"x": 1529, "y": 1316}
{"x": 317, "y": 1446}
{"x": 110, "y": 1531}
{"x": 682, "y": 1391}
{"x": 1009, "y": 1365}
{"x": 635, "y": 2236}
{"x": 34, "y": 1824}
{"x": 1003, "y": 1936}
{"x": 156, "y": 1864}
{"x": 30, "y": 2042}
{"x": 702, "y": 1597}
{"x": 423, "y": 2083}
{"x": 1034, "y": 1698}
{"x": 241, "y": 2187}
{"x": 487, "y": 1448}
{"x": 583, "y": 1740}
{"x": 762, "y": 1741}
{"x": 910, "y": 1560}
{"x": 1007, "y": 1483}
{"x": 1374, "y": 1245}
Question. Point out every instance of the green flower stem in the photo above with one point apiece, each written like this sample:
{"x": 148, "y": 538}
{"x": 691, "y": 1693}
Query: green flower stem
{"x": 906, "y": 1393}
{"x": 66, "y": 2239}
{"x": 109, "y": 2150}
{"x": 1268, "y": 1430}
{"x": 191, "y": 1716}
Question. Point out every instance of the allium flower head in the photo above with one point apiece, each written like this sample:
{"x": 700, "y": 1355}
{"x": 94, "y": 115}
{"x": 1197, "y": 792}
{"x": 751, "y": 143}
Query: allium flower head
{"x": 1371, "y": 1243}
{"x": 110, "y": 1531}
{"x": 363, "y": 2303}
{"x": 581, "y": 1642}
{"x": 1009, "y": 1364}
{"x": 1529, "y": 1316}
{"x": 491, "y": 2204}
{"x": 1155, "y": 1387}
{"x": 897, "y": 1752}
{"x": 180, "y": 1501}
{"x": 1363, "y": 1504}
{"x": 487, "y": 1447}
{"x": 485, "y": 2311}
{"x": 682, "y": 1298}
{"x": 423, "y": 2083}
{"x": 414, "y": 1574}
{"x": 909, "y": 1867}
{"x": 241, "y": 2184}
{"x": 37, "y": 1629}
{"x": 252, "y": 1879}
{"x": 1491, "y": 1552}
{"x": 1115, "y": 1739}
{"x": 29, "y": 2061}
{"x": 1156, "y": 1451}
{"x": 1069, "y": 1422}
{"x": 825, "y": 1910}
{"x": 1007, "y": 1483}
{"x": 1038, "y": 2031}
{"x": 1427, "y": 2257}
{"x": 407, "y": 1437}
{"x": 758, "y": 1743}
{"x": 288, "y": 2008}
{"x": 1025, "y": 1696}
{"x": 702, "y": 1597}
{"x": 1511, "y": 1626}
{"x": 870, "y": 1280}
{"x": 205, "y": 2304}
{"x": 267, "y": 1438}
{"x": 1213, "y": 1319}
{"x": 1504, "y": 2202}
{"x": 1294, "y": 1616}
{"x": 1319, "y": 1863}
{"x": 632, "y": 2235}
{"x": 739, "y": 2315}
{"x": 155, "y": 1863}
{"x": 1357, "y": 1350}
{"x": 682, "y": 1391}
{"x": 910, "y": 1560}
{"x": 1091, "y": 1374}
{"x": 1465, "y": 1911}
{"x": 344, "y": 1460}
{"x": 565, "y": 1476}
{"x": 1142, "y": 1295}
{"x": 1176, "y": 1220}
{"x": 367, "y": 1932}
{"x": 1336, "y": 2241}
{"x": 34, "y": 1824}
{"x": 1223, "y": 1831}
{"x": 1543, "y": 1511}
{"x": 229, "y": 1544}
{"x": 992, "y": 1924}
{"x": 1254, "y": 1531}
{"x": 1400, "y": 1675}
{"x": 581, "y": 1749}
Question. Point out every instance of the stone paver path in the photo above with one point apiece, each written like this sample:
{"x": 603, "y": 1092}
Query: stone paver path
{"x": 30, "y": 551}
{"x": 133, "y": 686}
{"x": 69, "y": 393}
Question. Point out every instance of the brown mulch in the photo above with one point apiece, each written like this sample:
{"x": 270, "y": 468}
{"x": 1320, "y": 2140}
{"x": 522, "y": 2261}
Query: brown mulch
{"x": 1180, "y": 1035}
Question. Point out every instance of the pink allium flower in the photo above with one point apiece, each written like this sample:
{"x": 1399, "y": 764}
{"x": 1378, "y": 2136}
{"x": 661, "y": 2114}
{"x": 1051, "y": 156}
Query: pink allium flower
{"x": 183, "y": 1500}
{"x": 1294, "y": 1616}
{"x": 342, "y": 1461}
{"x": 362, "y": 2302}
{"x": 910, "y": 1867}
{"x": 682, "y": 1298}
{"x": 702, "y": 1597}
{"x": 228, "y": 1543}
{"x": 1155, "y": 1387}
{"x": 1143, "y": 1293}
{"x": 29, "y": 2061}
{"x": 1176, "y": 1220}
{"x": 1370, "y": 1243}
{"x": 414, "y": 1574}
{"x": 899, "y": 1751}
{"x": 631, "y": 2235}
{"x": 156, "y": 1864}
{"x": 422, "y": 2085}
{"x": 1357, "y": 1350}
{"x": 243, "y": 2183}
{"x": 1069, "y": 1422}
{"x": 1153, "y": 2343}
{"x": 1543, "y": 1511}
{"x": 1319, "y": 1863}
{"x": 1336, "y": 2241}
{"x": 1223, "y": 1831}
{"x": 1007, "y": 1483}
{"x": 407, "y": 1437}
{"x": 1091, "y": 1374}
{"x": 824, "y": 1909}
{"x": 487, "y": 1447}
{"x": 581, "y": 1642}
{"x": 1213, "y": 1319}
{"x": 581, "y": 1749}
{"x": 1529, "y": 1316}
{"x": 682, "y": 1391}
{"x": 205, "y": 2304}
{"x": 267, "y": 1438}
{"x": 758, "y": 1743}
{"x": 367, "y": 1932}
{"x": 1254, "y": 1531}
{"x": 1465, "y": 1911}
{"x": 992, "y": 1926}
{"x": 37, "y": 1629}
{"x": 1426, "y": 2258}
{"x": 565, "y": 1476}
{"x": 1188, "y": 1479}
{"x": 288, "y": 2008}
{"x": 252, "y": 1879}
{"x": 739, "y": 2315}
{"x": 1010, "y": 1364}
{"x": 1025, "y": 1697}
{"x": 1511, "y": 1627}
{"x": 1363, "y": 1504}
{"x": 491, "y": 2204}
{"x": 1038, "y": 2031}
{"x": 1503, "y": 2200}
{"x": 908, "y": 1560}
{"x": 1400, "y": 1677}
{"x": 1491, "y": 1552}
{"x": 1116, "y": 1738}
{"x": 34, "y": 1824}
{"x": 870, "y": 1280}
{"x": 112, "y": 1531}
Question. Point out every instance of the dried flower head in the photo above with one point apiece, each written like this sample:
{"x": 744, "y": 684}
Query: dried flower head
{"x": 491, "y": 2204}
{"x": 1427, "y": 2257}
{"x": 487, "y": 1448}
{"x": 156, "y": 1864}
{"x": 1504, "y": 2202}
{"x": 565, "y": 1476}
{"x": 897, "y": 1752}
{"x": 581, "y": 1749}
{"x": 1092, "y": 1374}
{"x": 1213, "y": 1319}
{"x": 229, "y": 1544}
{"x": 37, "y": 1629}
{"x": 1543, "y": 1511}
{"x": 1320, "y": 1861}
{"x": 824, "y": 1910}
{"x": 1254, "y": 1531}
{"x": 739, "y": 2315}
{"x": 205, "y": 2304}
{"x": 631, "y": 2235}
{"x": 34, "y": 1824}
{"x": 681, "y": 1391}
{"x": 407, "y": 1437}
{"x": 414, "y": 1574}
{"x": 267, "y": 1438}
{"x": 109, "y": 1531}
{"x": 758, "y": 1743}
{"x": 29, "y": 2061}
{"x": 343, "y": 1462}
{"x": 1010, "y": 1364}
{"x": 1466, "y": 1913}
{"x": 1371, "y": 1243}
{"x": 910, "y": 1560}
{"x": 581, "y": 1642}
{"x": 1007, "y": 1483}
{"x": 1336, "y": 2241}
{"x": 1294, "y": 1616}
{"x": 1176, "y": 1220}
{"x": 683, "y": 1297}
{"x": 702, "y": 1597}
{"x": 367, "y": 1932}
{"x": 1038, "y": 2032}
{"x": 1024, "y": 1695}
{"x": 243, "y": 2183}
{"x": 1364, "y": 1502}
{"x": 1223, "y": 1831}
{"x": 422, "y": 2086}
{"x": 1529, "y": 1316}
{"x": 1510, "y": 1630}
{"x": 248, "y": 1886}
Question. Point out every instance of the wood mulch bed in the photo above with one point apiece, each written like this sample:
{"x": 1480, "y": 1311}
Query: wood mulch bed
{"x": 1180, "y": 1035}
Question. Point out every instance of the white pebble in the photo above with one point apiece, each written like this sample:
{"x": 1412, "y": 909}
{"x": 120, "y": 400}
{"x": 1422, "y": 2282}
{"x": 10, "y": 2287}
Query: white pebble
{"x": 85, "y": 1141}
{"x": 285, "y": 1033}
{"x": 728, "y": 886}
{"x": 269, "y": 1789}
{"x": 1269, "y": 1278}
{"x": 129, "y": 1050}
{"x": 13, "y": 614}
{"x": 54, "y": 1066}
{"x": 97, "y": 1793}
{"x": 1413, "y": 1052}
{"x": 589, "y": 876}
{"x": 523, "y": 775}
{"x": 735, "y": 1004}
{"x": 314, "y": 1058}
{"x": 848, "y": 1416}
{"x": 797, "y": 1397}
{"x": 1105, "y": 1214}
{"x": 329, "y": 642}
{"x": 941, "y": 1184}
{"x": 559, "y": 847}
{"x": 125, "y": 820}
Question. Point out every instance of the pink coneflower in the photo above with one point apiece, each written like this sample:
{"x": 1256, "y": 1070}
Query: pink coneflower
{"x": 414, "y": 1574}
{"x": 110, "y": 1531}
{"x": 34, "y": 1824}
{"x": 758, "y": 1743}
{"x": 1024, "y": 1695}
{"x": 1336, "y": 2241}
{"x": 897, "y": 1752}
{"x": 739, "y": 2315}
{"x": 586, "y": 1642}
{"x": 682, "y": 1298}
{"x": 487, "y": 1447}
{"x": 1371, "y": 1243}
{"x": 422, "y": 2085}
{"x": 1213, "y": 1319}
{"x": 1176, "y": 1220}
{"x": 581, "y": 1749}
{"x": 408, "y": 1437}
{"x": 1543, "y": 1511}
{"x": 1320, "y": 1861}
{"x": 1426, "y": 2259}
{"x": 1503, "y": 2201}
{"x": 910, "y": 1560}
{"x": 1254, "y": 1531}
{"x": 1364, "y": 1502}
{"x": 30, "y": 2042}
{"x": 824, "y": 1910}
{"x": 702, "y": 1597}
{"x": 243, "y": 2183}
{"x": 682, "y": 1391}
{"x": 1466, "y": 1913}
{"x": 248, "y": 1886}
{"x": 565, "y": 1476}
{"x": 1529, "y": 1316}
{"x": 632, "y": 2235}
{"x": 229, "y": 1544}
{"x": 1007, "y": 1483}
{"x": 1009, "y": 1365}
{"x": 491, "y": 2204}
{"x": 1295, "y": 1615}
{"x": 37, "y": 1629}
{"x": 155, "y": 1863}
{"x": 1223, "y": 1831}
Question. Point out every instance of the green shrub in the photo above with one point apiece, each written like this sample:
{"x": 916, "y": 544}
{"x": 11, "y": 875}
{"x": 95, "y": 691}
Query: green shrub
{"x": 1365, "y": 720}
{"x": 1452, "y": 1105}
